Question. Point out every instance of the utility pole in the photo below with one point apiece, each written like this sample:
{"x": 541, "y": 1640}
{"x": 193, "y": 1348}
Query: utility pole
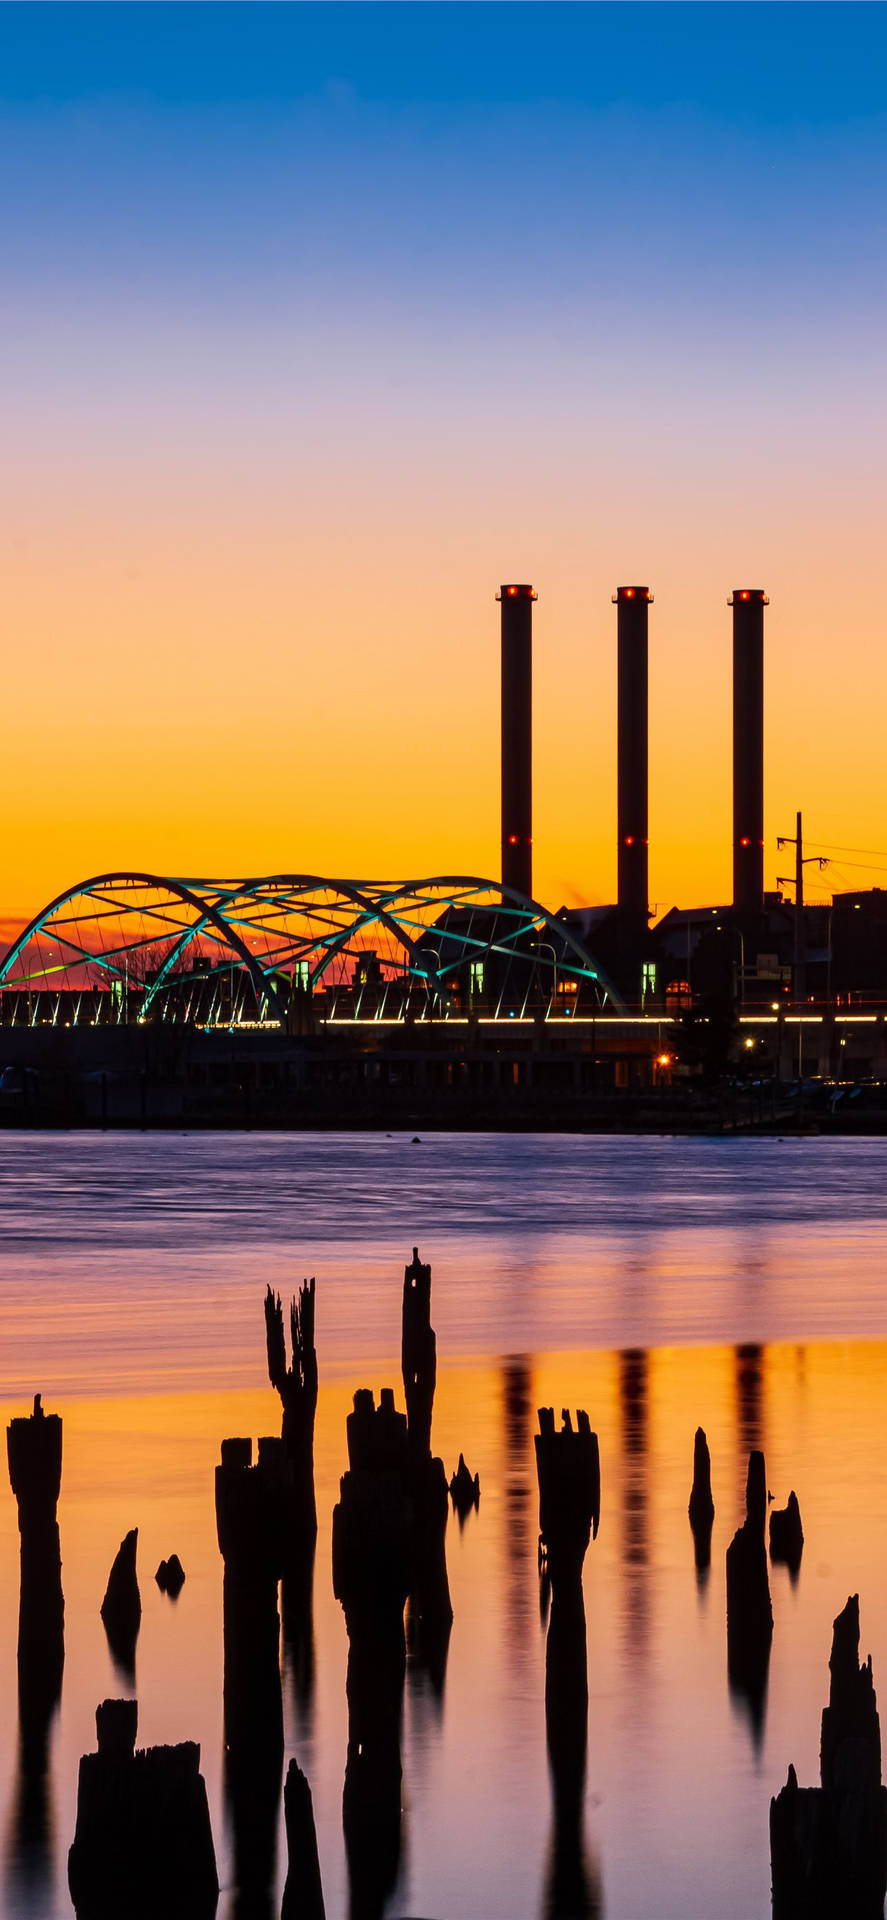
{"x": 812, "y": 860}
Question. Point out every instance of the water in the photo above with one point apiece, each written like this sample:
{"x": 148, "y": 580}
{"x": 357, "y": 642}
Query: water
{"x": 659, "y": 1283}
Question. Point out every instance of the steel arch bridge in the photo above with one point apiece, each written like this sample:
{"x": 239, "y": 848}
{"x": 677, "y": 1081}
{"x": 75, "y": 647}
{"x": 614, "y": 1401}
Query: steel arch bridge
{"x": 279, "y": 950}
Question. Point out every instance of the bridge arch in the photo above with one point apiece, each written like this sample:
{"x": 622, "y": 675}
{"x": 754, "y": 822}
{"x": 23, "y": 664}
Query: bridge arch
{"x": 127, "y": 927}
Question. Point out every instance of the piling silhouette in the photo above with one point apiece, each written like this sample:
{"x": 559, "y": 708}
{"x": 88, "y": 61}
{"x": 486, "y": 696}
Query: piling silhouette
{"x": 122, "y": 1605}
{"x": 34, "y": 1453}
{"x": 828, "y": 1844}
{"x": 787, "y": 1534}
{"x": 568, "y": 1473}
{"x": 749, "y": 1609}
{"x": 372, "y": 1535}
{"x": 430, "y": 1614}
{"x": 297, "y": 1386}
{"x": 303, "y": 1891}
{"x": 143, "y": 1842}
{"x": 702, "y": 1507}
{"x": 464, "y": 1490}
{"x": 170, "y": 1576}
{"x": 251, "y": 1504}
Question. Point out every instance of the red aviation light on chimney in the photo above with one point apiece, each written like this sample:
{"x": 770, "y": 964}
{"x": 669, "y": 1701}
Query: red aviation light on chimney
{"x": 512, "y": 839}
{"x": 517, "y": 593}
{"x": 749, "y": 593}
{"x": 629, "y": 840}
{"x": 631, "y": 593}
{"x": 745, "y": 841}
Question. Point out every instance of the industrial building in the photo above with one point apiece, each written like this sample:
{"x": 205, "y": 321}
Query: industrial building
{"x": 471, "y": 975}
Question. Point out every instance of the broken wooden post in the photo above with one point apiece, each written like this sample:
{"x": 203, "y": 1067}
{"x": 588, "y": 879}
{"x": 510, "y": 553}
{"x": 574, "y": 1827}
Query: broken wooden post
{"x": 122, "y": 1604}
{"x": 170, "y": 1576}
{"x": 464, "y": 1490}
{"x": 418, "y": 1355}
{"x": 297, "y": 1387}
{"x": 702, "y": 1507}
{"x": 430, "y": 1608}
{"x": 250, "y": 1501}
{"x": 303, "y": 1891}
{"x": 372, "y": 1527}
{"x": 787, "y": 1534}
{"x": 568, "y": 1473}
{"x": 828, "y": 1844}
{"x": 34, "y": 1453}
{"x": 143, "y": 1843}
{"x": 749, "y": 1610}
{"x": 568, "y": 1470}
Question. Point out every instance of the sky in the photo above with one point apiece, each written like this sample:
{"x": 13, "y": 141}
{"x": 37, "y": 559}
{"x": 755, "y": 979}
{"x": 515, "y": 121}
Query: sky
{"x": 321, "y": 321}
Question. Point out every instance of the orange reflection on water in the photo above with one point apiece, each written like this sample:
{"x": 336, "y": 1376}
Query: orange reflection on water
{"x": 675, "y": 1786}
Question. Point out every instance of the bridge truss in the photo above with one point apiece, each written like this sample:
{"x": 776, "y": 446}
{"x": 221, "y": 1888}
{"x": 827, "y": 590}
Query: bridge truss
{"x": 289, "y": 949}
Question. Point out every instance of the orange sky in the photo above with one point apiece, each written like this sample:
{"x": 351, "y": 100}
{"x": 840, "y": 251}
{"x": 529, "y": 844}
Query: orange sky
{"x": 203, "y": 687}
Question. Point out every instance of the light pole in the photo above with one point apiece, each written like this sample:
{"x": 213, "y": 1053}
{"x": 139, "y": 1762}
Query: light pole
{"x": 539, "y": 944}
{"x": 432, "y": 991}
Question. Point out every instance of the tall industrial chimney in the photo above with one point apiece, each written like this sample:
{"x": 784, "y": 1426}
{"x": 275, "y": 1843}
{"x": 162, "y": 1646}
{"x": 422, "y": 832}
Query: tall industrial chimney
{"x": 517, "y": 737}
{"x": 748, "y": 605}
{"x": 632, "y": 605}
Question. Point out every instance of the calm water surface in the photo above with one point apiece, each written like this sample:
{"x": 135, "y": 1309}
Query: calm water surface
{"x": 661, "y": 1284}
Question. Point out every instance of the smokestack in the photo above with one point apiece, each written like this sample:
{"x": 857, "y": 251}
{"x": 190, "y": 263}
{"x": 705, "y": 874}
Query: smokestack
{"x": 748, "y": 605}
{"x": 632, "y": 604}
{"x": 517, "y": 737}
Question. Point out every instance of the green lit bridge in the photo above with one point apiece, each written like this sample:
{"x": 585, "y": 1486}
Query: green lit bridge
{"x": 296, "y": 951}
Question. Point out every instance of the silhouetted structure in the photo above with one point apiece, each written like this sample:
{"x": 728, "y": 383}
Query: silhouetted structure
{"x": 170, "y": 1576}
{"x": 122, "y": 1604}
{"x": 418, "y": 1357}
{"x": 568, "y": 1472}
{"x": 143, "y": 1843}
{"x": 371, "y": 1579}
{"x": 251, "y": 1505}
{"x": 517, "y": 738}
{"x": 828, "y": 1844}
{"x": 464, "y": 1490}
{"x": 297, "y": 1387}
{"x": 702, "y": 1506}
{"x": 787, "y": 1534}
{"x": 632, "y": 614}
{"x": 430, "y": 1612}
{"x": 748, "y": 605}
{"x": 749, "y": 1610}
{"x": 34, "y": 1453}
{"x": 303, "y": 1892}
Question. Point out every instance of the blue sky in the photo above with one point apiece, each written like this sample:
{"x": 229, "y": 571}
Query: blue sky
{"x": 765, "y": 65}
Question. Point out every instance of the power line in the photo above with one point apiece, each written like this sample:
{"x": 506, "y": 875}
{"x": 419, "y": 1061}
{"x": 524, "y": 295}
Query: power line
{"x": 861, "y": 866}
{"x": 880, "y": 853}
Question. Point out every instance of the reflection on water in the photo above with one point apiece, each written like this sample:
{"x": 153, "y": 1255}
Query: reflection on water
{"x": 655, "y": 1792}
{"x": 520, "y": 1532}
{"x": 633, "y": 1383}
{"x": 750, "y": 1401}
